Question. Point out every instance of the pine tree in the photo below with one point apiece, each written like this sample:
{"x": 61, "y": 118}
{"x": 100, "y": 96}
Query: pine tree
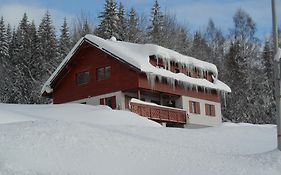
{"x": 243, "y": 66}
{"x": 35, "y": 67}
{"x": 174, "y": 36}
{"x": 86, "y": 29}
{"x": 122, "y": 23}
{"x": 47, "y": 44}
{"x": 9, "y": 33}
{"x": 183, "y": 41}
{"x": 155, "y": 30}
{"x": 19, "y": 62}
{"x": 109, "y": 21}
{"x": 244, "y": 26}
{"x": 268, "y": 81}
{"x": 4, "y": 52}
{"x": 133, "y": 29}
{"x": 64, "y": 41}
{"x": 13, "y": 45}
{"x": 4, "y": 56}
{"x": 216, "y": 43}
{"x": 81, "y": 26}
{"x": 199, "y": 48}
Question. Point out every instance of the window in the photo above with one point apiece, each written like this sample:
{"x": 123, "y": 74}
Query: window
{"x": 177, "y": 70}
{"x": 210, "y": 110}
{"x": 103, "y": 73}
{"x": 109, "y": 101}
{"x": 107, "y": 72}
{"x": 194, "y": 107}
{"x": 82, "y": 78}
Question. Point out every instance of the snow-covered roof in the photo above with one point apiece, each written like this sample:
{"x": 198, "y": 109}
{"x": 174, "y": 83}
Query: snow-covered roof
{"x": 138, "y": 55}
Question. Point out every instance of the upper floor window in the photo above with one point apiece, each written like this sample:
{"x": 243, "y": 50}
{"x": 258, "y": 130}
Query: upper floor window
{"x": 83, "y": 78}
{"x": 194, "y": 107}
{"x": 210, "y": 110}
{"x": 103, "y": 73}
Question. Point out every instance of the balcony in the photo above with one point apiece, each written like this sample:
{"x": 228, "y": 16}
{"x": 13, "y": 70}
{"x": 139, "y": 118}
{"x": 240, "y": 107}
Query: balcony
{"x": 158, "y": 113}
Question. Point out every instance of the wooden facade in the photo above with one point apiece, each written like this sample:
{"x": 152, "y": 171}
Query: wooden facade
{"x": 89, "y": 58}
{"x": 93, "y": 61}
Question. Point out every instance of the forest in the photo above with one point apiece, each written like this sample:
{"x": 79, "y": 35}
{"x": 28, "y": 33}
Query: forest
{"x": 30, "y": 53}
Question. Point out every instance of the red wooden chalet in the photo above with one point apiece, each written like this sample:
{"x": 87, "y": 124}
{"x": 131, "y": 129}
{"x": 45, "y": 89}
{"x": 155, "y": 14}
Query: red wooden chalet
{"x": 147, "y": 79}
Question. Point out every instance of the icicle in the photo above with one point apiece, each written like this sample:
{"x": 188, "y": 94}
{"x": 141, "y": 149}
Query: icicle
{"x": 186, "y": 86}
{"x": 169, "y": 64}
{"x": 201, "y": 72}
{"x": 171, "y": 81}
{"x": 165, "y": 62}
{"x": 151, "y": 79}
{"x": 159, "y": 78}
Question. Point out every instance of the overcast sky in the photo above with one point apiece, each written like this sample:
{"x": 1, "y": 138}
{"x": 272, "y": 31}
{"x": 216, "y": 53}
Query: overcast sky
{"x": 192, "y": 13}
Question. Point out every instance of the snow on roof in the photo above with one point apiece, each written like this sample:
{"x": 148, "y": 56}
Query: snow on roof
{"x": 138, "y": 56}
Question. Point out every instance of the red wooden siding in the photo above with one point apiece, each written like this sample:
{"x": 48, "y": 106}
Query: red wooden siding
{"x": 89, "y": 58}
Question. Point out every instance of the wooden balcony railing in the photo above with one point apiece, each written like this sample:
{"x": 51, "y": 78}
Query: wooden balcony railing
{"x": 159, "y": 113}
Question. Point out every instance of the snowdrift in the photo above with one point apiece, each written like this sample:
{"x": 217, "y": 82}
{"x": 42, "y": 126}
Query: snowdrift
{"x": 80, "y": 139}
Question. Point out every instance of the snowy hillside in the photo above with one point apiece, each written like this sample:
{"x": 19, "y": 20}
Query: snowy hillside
{"x": 81, "y": 139}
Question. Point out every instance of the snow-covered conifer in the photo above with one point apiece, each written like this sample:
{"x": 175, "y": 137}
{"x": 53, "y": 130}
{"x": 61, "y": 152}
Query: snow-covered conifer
{"x": 109, "y": 21}
{"x": 47, "y": 44}
{"x": 122, "y": 22}
{"x": 133, "y": 29}
{"x": 216, "y": 43}
{"x": 64, "y": 40}
{"x": 4, "y": 56}
{"x": 4, "y": 52}
{"x": 155, "y": 29}
{"x": 243, "y": 72}
{"x": 81, "y": 26}
{"x": 199, "y": 47}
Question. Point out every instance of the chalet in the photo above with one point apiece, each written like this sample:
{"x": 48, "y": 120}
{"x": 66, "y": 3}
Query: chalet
{"x": 147, "y": 79}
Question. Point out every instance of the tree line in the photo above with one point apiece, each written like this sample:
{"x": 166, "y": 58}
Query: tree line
{"x": 29, "y": 54}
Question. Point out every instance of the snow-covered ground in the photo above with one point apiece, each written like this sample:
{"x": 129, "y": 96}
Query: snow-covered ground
{"x": 81, "y": 139}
